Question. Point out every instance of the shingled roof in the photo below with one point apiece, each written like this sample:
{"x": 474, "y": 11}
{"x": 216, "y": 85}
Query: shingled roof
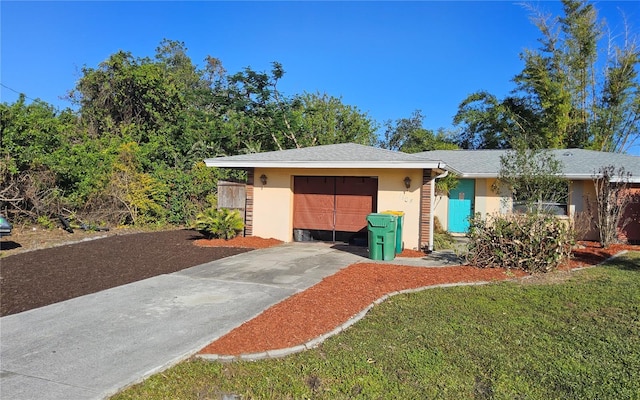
{"x": 577, "y": 164}
{"x": 345, "y": 155}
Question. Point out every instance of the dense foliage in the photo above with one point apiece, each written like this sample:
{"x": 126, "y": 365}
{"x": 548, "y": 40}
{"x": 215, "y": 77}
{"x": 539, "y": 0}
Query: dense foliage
{"x": 132, "y": 152}
{"x": 530, "y": 242}
{"x": 408, "y": 135}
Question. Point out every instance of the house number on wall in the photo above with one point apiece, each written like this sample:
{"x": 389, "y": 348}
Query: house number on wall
{"x": 406, "y": 198}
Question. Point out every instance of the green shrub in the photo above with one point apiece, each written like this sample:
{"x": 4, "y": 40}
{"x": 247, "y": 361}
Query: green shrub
{"x": 45, "y": 222}
{"x": 531, "y": 242}
{"x": 219, "y": 224}
{"x": 442, "y": 240}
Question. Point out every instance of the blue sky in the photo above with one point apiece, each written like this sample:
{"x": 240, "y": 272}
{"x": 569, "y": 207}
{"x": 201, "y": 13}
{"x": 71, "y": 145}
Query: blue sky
{"x": 386, "y": 58}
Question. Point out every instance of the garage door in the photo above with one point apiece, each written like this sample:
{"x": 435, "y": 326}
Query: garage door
{"x": 332, "y": 203}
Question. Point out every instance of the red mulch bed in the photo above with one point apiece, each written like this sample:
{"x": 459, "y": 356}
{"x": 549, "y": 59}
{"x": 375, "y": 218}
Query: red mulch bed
{"x": 411, "y": 253}
{"x": 333, "y": 301}
{"x": 590, "y": 253}
{"x": 337, "y": 298}
{"x": 250, "y": 242}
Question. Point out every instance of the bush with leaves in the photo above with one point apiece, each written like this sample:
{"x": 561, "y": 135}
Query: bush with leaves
{"x": 441, "y": 238}
{"x": 219, "y": 224}
{"x": 140, "y": 195}
{"x": 533, "y": 177}
{"x": 530, "y": 242}
{"x": 187, "y": 190}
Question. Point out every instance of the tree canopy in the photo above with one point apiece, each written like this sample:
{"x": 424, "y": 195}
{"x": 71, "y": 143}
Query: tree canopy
{"x": 133, "y": 150}
{"x": 580, "y": 89}
{"x": 409, "y": 135}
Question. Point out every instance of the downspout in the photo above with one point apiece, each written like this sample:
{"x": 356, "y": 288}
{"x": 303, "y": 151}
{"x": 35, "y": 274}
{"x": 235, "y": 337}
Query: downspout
{"x": 432, "y": 204}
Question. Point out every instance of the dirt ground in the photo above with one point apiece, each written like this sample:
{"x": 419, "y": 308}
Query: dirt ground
{"x": 38, "y": 268}
{"x": 25, "y": 239}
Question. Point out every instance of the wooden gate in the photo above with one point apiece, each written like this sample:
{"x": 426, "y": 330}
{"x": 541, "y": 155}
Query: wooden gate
{"x": 233, "y": 195}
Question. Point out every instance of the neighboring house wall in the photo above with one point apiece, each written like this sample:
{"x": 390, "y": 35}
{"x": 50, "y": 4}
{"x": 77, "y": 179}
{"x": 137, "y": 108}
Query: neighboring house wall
{"x": 273, "y": 202}
{"x": 632, "y": 230}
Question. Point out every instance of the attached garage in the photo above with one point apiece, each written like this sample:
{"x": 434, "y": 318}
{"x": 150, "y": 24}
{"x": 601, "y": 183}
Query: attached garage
{"x": 332, "y": 207}
{"x": 329, "y": 190}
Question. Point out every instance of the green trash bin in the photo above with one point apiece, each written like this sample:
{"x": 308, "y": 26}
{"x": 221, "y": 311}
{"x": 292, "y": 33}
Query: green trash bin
{"x": 400, "y": 219}
{"x": 382, "y": 236}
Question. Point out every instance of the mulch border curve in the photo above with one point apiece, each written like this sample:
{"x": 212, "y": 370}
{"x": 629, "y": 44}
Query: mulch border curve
{"x": 314, "y": 343}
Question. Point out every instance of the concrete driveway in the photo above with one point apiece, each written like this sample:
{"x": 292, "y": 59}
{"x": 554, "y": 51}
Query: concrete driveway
{"x": 92, "y": 346}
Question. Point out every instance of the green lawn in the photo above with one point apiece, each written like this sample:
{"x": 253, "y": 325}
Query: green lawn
{"x": 574, "y": 337}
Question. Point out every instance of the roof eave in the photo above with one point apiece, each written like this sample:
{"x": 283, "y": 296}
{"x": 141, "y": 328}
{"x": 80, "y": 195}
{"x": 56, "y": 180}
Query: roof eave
{"x": 211, "y": 162}
{"x": 475, "y": 175}
{"x": 571, "y": 177}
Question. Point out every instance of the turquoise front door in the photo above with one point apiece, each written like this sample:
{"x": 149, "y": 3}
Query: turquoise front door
{"x": 461, "y": 206}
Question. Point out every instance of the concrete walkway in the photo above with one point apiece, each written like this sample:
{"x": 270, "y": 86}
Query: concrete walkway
{"x": 92, "y": 346}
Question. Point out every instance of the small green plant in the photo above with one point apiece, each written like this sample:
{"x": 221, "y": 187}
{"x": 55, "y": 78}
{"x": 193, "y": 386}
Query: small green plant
{"x": 441, "y": 238}
{"x": 219, "y": 224}
{"x": 46, "y": 222}
{"x": 534, "y": 178}
{"x": 442, "y": 241}
{"x": 530, "y": 242}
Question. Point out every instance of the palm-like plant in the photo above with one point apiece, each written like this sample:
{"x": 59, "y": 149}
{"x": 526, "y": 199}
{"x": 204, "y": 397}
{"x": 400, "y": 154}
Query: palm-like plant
{"x": 219, "y": 224}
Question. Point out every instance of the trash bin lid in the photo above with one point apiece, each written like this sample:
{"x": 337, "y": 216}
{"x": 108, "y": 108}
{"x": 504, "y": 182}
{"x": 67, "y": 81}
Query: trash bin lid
{"x": 398, "y": 213}
{"x": 380, "y": 220}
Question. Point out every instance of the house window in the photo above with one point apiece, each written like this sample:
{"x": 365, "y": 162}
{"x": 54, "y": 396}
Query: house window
{"x": 547, "y": 207}
{"x": 552, "y": 200}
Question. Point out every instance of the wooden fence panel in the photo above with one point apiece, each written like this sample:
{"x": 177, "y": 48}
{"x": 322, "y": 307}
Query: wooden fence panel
{"x": 232, "y": 195}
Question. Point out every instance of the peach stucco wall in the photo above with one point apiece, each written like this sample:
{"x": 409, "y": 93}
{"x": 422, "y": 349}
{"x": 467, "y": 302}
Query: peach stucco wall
{"x": 441, "y": 210}
{"x": 580, "y": 194}
{"x": 487, "y": 201}
{"x": 273, "y": 202}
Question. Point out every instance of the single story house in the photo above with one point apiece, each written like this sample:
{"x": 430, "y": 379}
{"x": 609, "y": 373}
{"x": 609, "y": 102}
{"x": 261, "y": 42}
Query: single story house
{"x": 479, "y": 169}
{"x": 327, "y": 191}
